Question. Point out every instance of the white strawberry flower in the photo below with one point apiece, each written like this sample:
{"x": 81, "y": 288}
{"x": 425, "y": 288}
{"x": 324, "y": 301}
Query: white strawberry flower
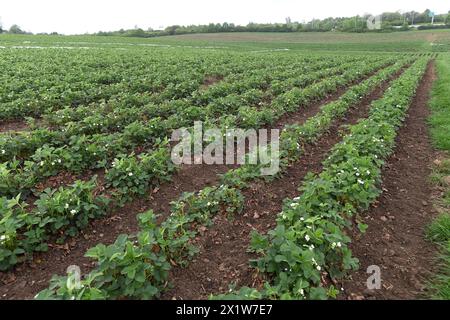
{"x": 307, "y": 238}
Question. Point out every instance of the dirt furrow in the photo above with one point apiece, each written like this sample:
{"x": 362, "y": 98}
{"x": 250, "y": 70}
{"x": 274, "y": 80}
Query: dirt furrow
{"x": 13, "y": 126}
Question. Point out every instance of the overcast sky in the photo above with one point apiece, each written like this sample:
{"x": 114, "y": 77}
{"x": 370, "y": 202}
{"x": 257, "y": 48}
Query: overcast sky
{"x": 80, "y": 16}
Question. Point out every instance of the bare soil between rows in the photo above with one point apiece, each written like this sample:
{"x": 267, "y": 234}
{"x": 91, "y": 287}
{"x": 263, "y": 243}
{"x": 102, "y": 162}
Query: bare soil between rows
{"x": 395, "y": 240}
{"x": 13, "y": 126}
{"x": 31, "y": 277}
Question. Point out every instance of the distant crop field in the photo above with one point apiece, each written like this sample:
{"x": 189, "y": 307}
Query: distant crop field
{"x": 412, "y": 41}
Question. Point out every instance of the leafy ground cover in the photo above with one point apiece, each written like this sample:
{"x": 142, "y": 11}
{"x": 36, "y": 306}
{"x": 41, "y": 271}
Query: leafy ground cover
{"x": 439, "y": 230}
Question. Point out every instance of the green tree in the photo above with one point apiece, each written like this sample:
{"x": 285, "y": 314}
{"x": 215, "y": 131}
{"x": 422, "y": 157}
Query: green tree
{"x": 394, "y": 18}
{"x": 447, "y": 20}
{"x": 171, "y": 29}
{"x": 15, "y": 29}
{"x": 136, "y": 33}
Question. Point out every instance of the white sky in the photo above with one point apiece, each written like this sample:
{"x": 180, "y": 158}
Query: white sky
{"x": 80, "y": 16}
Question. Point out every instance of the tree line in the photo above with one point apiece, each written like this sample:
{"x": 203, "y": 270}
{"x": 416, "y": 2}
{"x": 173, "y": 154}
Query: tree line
{"x": 14, "y": 29}
{"x": 391, "y": 21}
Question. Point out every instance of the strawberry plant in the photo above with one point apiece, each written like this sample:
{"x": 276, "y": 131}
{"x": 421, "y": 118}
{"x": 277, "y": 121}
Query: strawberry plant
{"x": 14, "y": 180}
{"x": 131, "y": 176}
{"x": 70, "y": 209}
{"x": 10, "y": 222}
{"x": 127, "y": 177}
{"x": 49, "y": 160}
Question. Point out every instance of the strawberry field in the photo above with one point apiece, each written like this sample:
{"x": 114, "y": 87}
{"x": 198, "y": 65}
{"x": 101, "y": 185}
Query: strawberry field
{"x": 87, "y": 179}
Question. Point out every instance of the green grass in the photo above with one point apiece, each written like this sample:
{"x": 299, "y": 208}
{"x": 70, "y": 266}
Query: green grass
{"x": 412, "y": 41}
{"x": 439, "y": 230}
{"x": 440, "y": 105}
{"x": 440, "y": 287}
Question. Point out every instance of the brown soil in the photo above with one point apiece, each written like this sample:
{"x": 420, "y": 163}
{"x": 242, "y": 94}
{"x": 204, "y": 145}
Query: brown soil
{"x": 395, "y": 238}
{"x": 210, "y": 80}
{"x": 31, "y": 277}
{"x": 13, "y": 126}
{"x": 65, "y": 178}
{"x": 223, "y": 257}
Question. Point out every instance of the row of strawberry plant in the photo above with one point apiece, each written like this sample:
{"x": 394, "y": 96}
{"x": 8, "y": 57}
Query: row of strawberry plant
{"x": 310, "y": 243}
{"x": 63, "y": 212}
{"x": 22, "y": 144}
{"x": 79, "y": 153}
{"x": 248, "y": 117}
{"x": 128, "y": 187}
{"x": 137, "y": 266}
{"x": 128, "y": 177}
{"x": 84, "y": 79}
{"x": 111, "y": 116}
{"x": 92, "y": 286}
{"x": 294, "y": 137}
{"x": 107, "y": 117}
{"x": 116, "y": 114}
